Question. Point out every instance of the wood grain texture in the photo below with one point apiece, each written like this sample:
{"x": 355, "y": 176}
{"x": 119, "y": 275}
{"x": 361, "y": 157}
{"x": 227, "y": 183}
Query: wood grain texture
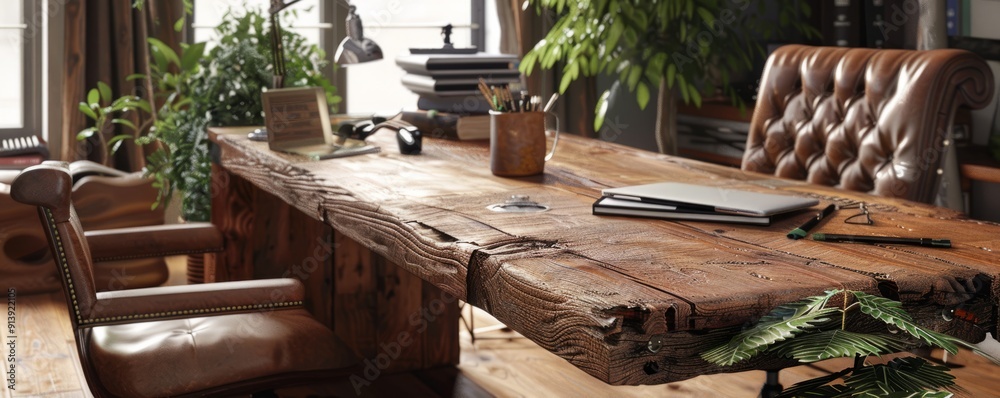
{"x": 358, "y": 293}
{"x": 596, "y": 290}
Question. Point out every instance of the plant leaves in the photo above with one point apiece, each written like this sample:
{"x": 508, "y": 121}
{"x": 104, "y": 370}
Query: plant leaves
{"x": 116, "y": 141}
{"x": 86, "y": 110}
{"x": 160, "y": 47}
{"x": 601, "y": 110}
{"x": 781, "y": 323}
{"x": 191, "y": 55}
{"x": 125, "y": 122}
{"x": 86, "y": 133}
{"x": 892, "y": 313}
{"x": 836, "y": 343}
{"x": 105, "y": 91}
{"x": 94, "y": 97}
{"x": 816, "y": 387}
{"x": 908, "y": 375}
{"x": 135, "y": 76}
{"x": 642, "y": 95}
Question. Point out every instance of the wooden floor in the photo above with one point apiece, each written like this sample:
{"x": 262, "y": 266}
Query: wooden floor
{"x": 497, "y": 364}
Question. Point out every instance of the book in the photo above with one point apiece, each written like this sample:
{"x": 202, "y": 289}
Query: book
{"x": 427, "y": 85}
{"x": 952, "y": 18}
{"x": 21, "y": 161}
{"x": 479, "y": 63}
{"x": 842, "y": 25}
{"x": 449, "y": 126}
{"x": 617, "y": 207}
{"x": 874, "y": 20}
{"x": 462, "y": 105}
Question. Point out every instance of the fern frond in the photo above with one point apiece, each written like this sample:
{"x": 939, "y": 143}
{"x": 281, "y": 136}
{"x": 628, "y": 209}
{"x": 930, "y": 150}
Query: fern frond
{"x": 816, "y": 387}
{"x": 836, "y": 344}
{"x": 781, "y": 323}
{"x": 892, "y": 313}
{"x": 910, "y": 375}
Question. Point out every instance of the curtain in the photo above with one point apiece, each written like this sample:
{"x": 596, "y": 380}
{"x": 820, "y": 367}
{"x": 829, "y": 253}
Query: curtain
{"x": 521, "y": 27}
{"x": 105, "y": 42}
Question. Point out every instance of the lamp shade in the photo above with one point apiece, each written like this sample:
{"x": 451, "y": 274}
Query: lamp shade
{"x": 356, "y": 48}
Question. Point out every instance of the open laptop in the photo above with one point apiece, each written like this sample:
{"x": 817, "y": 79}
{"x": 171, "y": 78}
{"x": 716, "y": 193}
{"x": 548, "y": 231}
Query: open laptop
{"x": 700, "y": 198}
{"x": 298, "y": 121}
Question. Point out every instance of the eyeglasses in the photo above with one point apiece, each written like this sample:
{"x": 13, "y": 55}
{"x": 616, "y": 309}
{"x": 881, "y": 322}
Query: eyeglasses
{"x": 862, "y": 218}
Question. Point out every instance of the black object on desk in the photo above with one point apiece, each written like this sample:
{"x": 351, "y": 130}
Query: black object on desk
{"x": 800, "y": 232}
{"x": 884, "y": 240}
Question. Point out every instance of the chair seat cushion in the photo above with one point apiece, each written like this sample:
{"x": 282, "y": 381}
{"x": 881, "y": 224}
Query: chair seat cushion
{"x": 165, "y": 358}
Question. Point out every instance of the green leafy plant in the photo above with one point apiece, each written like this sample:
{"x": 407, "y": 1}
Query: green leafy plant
{"x": 223, "y": 89}
{"x": 687, "y": 45}
{"x": 198, "y": 87}
{"x": 107, "y": 113}
{"x": 810, "y": 331}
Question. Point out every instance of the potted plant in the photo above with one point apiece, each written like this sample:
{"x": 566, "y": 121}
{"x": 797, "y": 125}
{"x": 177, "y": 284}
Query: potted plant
{"x": 686, "y": 46}
{"x": 816, "y": 329}
{"x": 194, "y": 89}
{"x": 223, "y": 89}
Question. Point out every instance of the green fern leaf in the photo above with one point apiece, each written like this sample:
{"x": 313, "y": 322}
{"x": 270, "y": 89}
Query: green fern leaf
{"x": 816, "y": 387}
{"x": 781, "y": 323}
{"x": 910, "y": 375}
{"x": 892, "y": 313}
{"x": 836, "y": 344}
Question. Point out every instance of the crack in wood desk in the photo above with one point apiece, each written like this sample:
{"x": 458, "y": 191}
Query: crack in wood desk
{"x": 628, "y": 300}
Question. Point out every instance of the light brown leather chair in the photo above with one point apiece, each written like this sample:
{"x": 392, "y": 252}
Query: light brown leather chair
{"x": 862, "y": 119}
{"x": 105, "y": 198}
{"x": 210, "y": 339}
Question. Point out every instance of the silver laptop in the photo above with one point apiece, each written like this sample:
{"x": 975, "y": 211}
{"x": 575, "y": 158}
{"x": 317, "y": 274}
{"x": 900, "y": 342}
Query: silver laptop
{"x": 704, "y": 198}
{"x": 298, "y": 121}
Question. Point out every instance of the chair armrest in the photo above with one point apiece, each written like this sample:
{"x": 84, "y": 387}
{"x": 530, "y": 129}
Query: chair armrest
{"x": 7, "y": 176}
{"x": 153, "y": 241}
{"x": 167, "y": 302}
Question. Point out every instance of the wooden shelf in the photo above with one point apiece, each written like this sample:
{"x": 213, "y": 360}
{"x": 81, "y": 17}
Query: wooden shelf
{"x": 977, "y": 164}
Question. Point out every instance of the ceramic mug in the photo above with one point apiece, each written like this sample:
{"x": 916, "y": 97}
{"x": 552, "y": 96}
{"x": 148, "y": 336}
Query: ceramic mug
{"x": 517, "y": 143}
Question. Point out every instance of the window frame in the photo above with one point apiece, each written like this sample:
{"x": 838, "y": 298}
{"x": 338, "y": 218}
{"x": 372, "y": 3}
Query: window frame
{"x": 334, "y": 13}
{"x": 32, "y": 72}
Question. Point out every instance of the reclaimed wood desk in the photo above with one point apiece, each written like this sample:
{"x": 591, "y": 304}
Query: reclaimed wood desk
{"x": 629, "y": 301}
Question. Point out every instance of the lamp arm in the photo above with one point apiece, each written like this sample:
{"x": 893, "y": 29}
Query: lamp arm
{"x": 277, "y": 48}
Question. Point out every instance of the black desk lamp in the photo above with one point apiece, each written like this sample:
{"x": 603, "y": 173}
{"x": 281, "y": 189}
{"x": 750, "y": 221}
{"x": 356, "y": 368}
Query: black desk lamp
{"x": 278, "y": 49}
{"x": 356, "y": 48}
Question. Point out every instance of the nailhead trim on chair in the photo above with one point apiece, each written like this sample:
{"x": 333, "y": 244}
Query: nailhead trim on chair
{"x": 195, "y": 311}
{"x": 51, "y": 224}
{"x": 76, "y": 309}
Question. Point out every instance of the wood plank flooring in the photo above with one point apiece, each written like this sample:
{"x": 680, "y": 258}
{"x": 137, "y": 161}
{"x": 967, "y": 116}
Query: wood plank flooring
{"x": 498, "y": 364}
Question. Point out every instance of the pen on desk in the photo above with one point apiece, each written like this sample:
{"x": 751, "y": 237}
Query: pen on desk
{"x": 874, "y": 240}
{"x": 800, "y": 232}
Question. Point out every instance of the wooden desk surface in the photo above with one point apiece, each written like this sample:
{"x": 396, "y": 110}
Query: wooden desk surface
{"x": 630, "y": 301}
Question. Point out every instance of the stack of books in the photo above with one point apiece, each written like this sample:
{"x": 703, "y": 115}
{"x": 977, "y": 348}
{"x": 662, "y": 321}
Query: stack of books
{"x": 20, "y": 152}
{"x": 448, "y": 82}
{"x": 679, "y": 201}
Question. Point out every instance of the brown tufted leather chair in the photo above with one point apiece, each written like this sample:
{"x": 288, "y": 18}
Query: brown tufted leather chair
{"x": 105, "y": 198}
{"x": 860, "y": 119}
{"x": 211, "y": 339}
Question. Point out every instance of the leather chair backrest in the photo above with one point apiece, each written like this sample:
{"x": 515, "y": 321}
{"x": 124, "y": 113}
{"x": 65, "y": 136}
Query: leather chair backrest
{"x": 860, "y": 119}
{"x": 49, "y": 186}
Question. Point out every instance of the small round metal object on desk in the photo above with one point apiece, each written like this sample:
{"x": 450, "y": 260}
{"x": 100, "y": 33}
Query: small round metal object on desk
{"x": 655, "y": 343}
{"x": 518, "y": 204}
{"x": 259, "y": 134}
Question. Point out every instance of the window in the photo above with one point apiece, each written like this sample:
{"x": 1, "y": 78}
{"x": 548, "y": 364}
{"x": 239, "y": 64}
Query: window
{"x": 395, "y": 25}
{"x": 21, "y": 39}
